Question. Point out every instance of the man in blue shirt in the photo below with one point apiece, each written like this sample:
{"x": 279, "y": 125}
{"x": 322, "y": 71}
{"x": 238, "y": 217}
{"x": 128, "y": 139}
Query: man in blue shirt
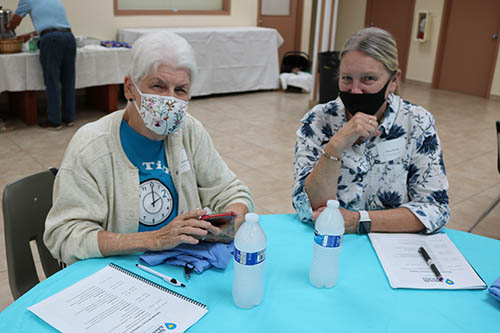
{"x": 57, "y": 56}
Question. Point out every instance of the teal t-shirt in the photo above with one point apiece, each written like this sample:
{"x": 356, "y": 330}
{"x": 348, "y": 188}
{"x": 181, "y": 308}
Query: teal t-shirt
{"x": 159, "y": 198}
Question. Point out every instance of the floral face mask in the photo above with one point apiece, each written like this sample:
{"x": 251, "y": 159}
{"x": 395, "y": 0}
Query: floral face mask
{"x": 161, "y": 114}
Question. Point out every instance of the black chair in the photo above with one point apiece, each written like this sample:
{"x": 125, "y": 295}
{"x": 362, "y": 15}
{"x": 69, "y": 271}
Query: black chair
{"x": 295, "y": 59}
{"x": 26, "y": 203}
{"x": 497, "y": 200}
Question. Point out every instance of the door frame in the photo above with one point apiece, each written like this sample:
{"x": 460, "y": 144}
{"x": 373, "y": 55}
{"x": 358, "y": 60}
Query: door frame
{"x": 299, "y": 19}
{"x": 440, "y": 52}
{"x": 369, "y": 6}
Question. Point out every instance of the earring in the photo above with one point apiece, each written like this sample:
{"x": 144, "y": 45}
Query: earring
{"x": 130, "y": 99}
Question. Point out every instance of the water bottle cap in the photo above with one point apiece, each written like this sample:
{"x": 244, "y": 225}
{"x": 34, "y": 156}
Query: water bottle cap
{"x": 252, "y": 218}
{"x": 332, "y": 204}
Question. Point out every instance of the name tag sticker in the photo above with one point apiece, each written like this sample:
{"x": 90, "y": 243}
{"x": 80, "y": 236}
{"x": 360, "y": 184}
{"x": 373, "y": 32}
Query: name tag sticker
{"x": 390, "y": 150}
{"x": 184, "y": 162}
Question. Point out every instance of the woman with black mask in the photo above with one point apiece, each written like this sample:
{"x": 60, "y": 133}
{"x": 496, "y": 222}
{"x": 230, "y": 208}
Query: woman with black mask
{"x": 374, "y": 152}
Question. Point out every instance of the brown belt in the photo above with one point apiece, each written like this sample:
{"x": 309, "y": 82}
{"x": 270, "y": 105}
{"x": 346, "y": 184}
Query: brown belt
{"x": 46, "y": 31}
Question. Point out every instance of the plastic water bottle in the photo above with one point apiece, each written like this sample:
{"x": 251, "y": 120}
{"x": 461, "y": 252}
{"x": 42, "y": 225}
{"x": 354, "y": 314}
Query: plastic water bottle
{"x": 328, "y": 233}
{"x": 249, "y": 259}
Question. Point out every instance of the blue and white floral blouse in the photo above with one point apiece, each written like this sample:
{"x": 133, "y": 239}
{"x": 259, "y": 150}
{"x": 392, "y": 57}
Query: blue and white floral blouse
{"x": 415, "y": 178}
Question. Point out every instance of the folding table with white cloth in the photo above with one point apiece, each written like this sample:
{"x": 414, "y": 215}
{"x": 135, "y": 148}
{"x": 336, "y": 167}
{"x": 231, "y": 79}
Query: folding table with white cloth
{"x": 99, "y": 69}
{"x": 229, "y": 59}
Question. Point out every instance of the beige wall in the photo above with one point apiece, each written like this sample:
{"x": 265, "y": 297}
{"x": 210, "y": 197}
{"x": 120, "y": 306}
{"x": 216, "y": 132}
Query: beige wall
{"x": 306, "y": 26}
{"x": 95, "y": 18}
{"x": 350, "y": 18}
{"x": 422, "y": 55}
{"x": 495, "y": 87}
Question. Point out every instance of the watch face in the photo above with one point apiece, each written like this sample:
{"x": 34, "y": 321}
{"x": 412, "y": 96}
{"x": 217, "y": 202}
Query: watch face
{"x": 156, "y": 203}
{"x": 364, "y": 227}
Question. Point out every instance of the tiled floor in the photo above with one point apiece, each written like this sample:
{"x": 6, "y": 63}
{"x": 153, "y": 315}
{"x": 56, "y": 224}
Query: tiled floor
{"x": 255, "y": 134}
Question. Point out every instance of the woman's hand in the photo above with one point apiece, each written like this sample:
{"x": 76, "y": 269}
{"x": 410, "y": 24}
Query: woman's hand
{"x": 359, "y": 128}
{"x": 185, "y": 228}
{"x": 225, "y": 232}
{"x": 351, "y": 219}
{"x": 317, "y": 212}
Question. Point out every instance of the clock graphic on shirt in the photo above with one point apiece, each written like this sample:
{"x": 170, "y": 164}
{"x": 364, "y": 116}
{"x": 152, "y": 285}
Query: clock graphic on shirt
{"x": 156, "y": 202}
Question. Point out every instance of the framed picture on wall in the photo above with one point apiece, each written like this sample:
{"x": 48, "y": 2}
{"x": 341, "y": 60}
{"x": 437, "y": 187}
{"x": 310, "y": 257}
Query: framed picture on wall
{"x": 172, "y": 7}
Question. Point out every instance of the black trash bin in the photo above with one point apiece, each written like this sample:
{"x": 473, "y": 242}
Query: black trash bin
{"x": 328, "y": 75}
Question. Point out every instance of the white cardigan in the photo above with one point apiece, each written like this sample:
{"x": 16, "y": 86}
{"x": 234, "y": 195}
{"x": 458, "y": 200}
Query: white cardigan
{"x": 97, "y": 187}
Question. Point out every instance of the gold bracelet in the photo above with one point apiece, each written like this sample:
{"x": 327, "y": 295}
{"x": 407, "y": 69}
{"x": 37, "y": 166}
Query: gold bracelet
{"x": 333, "y": 158}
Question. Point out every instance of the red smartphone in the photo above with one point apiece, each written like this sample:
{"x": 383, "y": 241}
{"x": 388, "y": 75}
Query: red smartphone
{"x": 220, "y": 218}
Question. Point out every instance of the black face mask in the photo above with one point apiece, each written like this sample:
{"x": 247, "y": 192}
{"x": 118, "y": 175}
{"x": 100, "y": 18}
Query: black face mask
{"x": 366, "y": 103}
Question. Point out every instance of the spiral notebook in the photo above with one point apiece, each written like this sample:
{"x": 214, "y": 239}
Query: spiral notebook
{"x": 115, "y": 299}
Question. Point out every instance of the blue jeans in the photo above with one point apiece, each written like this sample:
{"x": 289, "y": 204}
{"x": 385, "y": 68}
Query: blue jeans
{"x": 57, "y": 57}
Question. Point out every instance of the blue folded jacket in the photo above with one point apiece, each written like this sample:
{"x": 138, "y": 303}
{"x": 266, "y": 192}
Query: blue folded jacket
{"x": 494, "y": 289}
{"x": 202, "y": 256}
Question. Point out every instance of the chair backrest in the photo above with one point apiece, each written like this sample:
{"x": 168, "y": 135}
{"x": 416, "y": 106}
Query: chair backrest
{"x": 26, "y": 203}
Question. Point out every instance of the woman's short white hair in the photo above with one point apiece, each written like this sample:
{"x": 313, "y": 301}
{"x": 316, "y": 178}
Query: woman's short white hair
{"x": 161, "y": 48}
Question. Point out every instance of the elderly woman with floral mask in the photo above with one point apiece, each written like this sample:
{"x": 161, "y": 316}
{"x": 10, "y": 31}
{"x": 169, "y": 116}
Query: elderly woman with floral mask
{"x": 374, "y": 152}
{"x": 135, "y": 180}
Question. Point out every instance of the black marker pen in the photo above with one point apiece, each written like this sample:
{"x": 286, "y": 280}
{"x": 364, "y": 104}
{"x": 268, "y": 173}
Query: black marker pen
{"x": 429, "y": 262}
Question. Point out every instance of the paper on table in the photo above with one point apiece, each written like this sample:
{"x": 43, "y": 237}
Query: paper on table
{"x": 406, "y": 268}
{"x": 113, "y": 301}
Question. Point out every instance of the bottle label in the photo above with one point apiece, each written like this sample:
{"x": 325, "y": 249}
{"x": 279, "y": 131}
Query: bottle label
{"x": 249, "y": 258}
{"x": 327, "y": 240}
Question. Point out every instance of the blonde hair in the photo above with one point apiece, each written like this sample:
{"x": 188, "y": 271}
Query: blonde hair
{"x": 377, "y": 43}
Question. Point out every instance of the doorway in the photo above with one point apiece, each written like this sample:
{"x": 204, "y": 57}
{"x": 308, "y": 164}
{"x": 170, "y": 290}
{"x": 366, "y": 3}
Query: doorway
{"x": 395, "y": 16}
{"x": 286, "y": 17}
{"x": 468, "y": 47}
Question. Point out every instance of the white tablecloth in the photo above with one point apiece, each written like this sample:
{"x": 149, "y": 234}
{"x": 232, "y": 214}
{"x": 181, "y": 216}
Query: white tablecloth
{"x": 229, "y": 59}
{"x": 95, "y": 66}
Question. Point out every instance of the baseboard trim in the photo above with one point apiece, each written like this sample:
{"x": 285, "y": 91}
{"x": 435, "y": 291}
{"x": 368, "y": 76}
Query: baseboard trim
{"x": 418, "y": 83}
{"x": 495, "y": 97}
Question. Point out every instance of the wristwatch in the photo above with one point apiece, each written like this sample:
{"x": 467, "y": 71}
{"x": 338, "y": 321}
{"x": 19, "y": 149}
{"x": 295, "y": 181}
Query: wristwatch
{"x": 365, "y": 223}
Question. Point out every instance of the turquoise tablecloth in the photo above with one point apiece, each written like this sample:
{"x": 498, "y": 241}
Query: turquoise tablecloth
{"x": 362, "y": 301}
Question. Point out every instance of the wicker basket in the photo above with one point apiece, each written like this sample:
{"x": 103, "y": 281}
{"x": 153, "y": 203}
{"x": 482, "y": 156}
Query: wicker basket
{"x": 12, "y": 45}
